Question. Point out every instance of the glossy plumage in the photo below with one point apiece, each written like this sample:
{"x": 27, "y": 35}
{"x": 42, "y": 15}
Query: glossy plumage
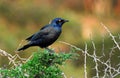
{"x": 46, "y": 35}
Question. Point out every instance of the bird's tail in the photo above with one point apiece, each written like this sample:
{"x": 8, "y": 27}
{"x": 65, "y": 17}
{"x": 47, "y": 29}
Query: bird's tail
{"x": 24, "y": 47}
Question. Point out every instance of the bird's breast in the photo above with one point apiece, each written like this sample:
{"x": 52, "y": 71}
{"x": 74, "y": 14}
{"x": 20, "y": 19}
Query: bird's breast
{"x": 54, "y": 34}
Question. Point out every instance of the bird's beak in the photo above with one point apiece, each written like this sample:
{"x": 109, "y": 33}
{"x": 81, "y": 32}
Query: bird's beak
{"x": 66, "y": 20}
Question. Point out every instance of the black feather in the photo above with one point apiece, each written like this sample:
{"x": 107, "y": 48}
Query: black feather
{"x": 24, "y": 47}
{"x": 46, "y": 36}
{"x": 29, "y": 38}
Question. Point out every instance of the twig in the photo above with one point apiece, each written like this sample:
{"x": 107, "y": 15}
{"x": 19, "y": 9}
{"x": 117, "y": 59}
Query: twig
{"x": 85, "y": 61}
{"x": 9, "y": 56}
{"x": 96, "y": 59}
{"x": 113, "y": 38}
{"x": 71, "y": 46}
{"x": 96, "y": 63}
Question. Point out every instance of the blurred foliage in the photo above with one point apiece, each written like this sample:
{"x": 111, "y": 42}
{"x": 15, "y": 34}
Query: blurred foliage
{"x": 43, "y": 65}
{"x": 23, "y": 14}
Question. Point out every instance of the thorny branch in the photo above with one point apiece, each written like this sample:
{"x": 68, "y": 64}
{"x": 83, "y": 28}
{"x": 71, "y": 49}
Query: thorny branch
{"x": 9, "y": 56}
{"x": 12, "y": 58}
{"x": 113, "y": 37}
{"x": 85, "y": 61}
{"x": 109, "y": 71}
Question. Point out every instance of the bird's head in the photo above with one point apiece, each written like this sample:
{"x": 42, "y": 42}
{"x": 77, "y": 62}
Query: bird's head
{"x": 58, "y": 22}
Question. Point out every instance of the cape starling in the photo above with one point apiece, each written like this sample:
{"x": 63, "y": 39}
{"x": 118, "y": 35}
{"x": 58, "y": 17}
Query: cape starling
{"x": 46, "y": 35}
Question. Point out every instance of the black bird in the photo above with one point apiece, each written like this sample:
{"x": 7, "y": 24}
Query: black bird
{"x": 47, "y": 34}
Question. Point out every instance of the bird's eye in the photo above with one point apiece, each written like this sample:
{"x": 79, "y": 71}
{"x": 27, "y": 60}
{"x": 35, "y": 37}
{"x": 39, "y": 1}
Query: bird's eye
{"x": 59, "y": 20}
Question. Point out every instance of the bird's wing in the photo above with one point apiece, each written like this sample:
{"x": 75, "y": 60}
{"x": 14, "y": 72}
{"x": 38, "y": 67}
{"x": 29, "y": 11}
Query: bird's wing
{"x": 29, "y": 38}
{"x": 40, "y": 34}
{"x": 32, "y": 36}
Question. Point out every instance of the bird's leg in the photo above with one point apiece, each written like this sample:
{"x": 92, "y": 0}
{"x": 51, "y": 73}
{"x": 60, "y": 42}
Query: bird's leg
{"x": 52, "y": 51}
{"x": 51, "y": 56}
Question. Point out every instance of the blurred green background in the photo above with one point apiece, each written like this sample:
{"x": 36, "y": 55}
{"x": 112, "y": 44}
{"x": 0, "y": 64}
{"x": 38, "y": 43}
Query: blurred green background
{"x": 21, "y": 18}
